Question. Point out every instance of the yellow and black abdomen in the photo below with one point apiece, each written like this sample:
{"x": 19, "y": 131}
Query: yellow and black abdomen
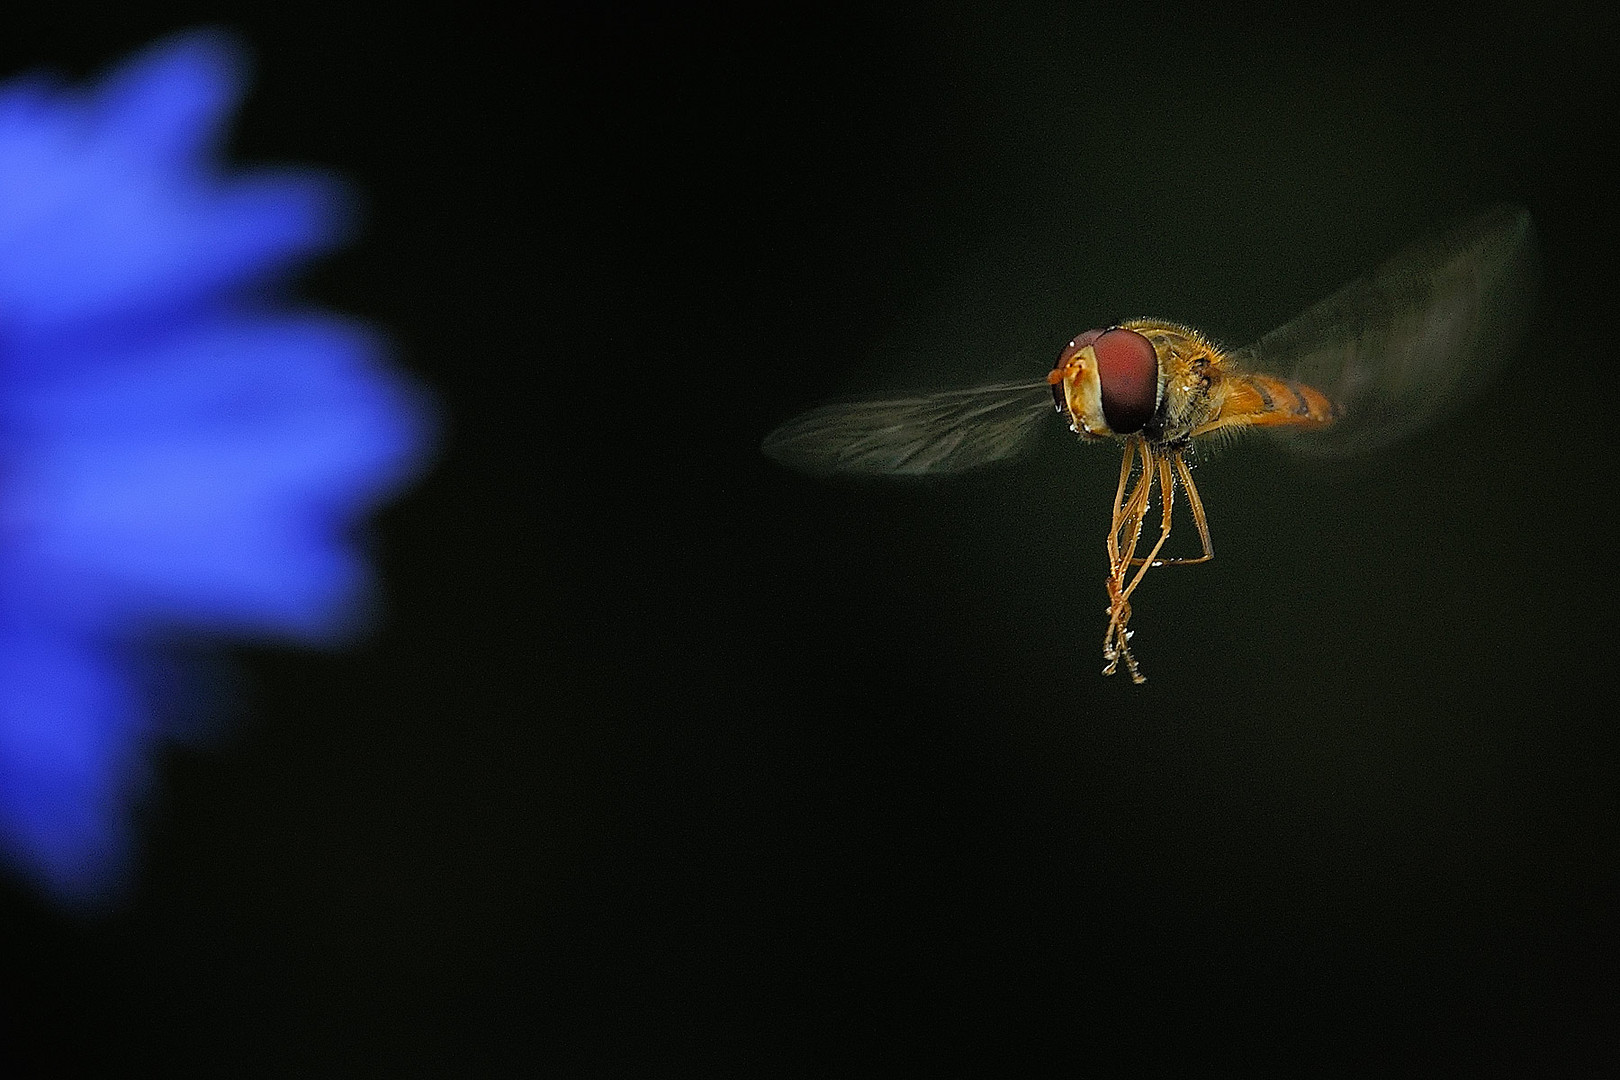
{"x": 1267, "y": 401}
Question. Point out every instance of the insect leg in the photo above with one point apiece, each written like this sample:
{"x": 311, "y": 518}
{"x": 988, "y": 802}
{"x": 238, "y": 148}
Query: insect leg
{"x": 1121, "y": 501}
{"x": 1199, "y": 519}
{"x": 1129, "y": 512}
{"x": 1167, "y": 491}
{"x": 1197, "y": 505}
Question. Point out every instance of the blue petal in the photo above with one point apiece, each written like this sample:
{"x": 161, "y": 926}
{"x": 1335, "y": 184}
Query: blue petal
{"x": 209, "y": 478}
{"x": 110, "y": 205}
{"x": 69, "y": 761}
{"x": 172, "y": 100}
{"x": 176, "y": 457}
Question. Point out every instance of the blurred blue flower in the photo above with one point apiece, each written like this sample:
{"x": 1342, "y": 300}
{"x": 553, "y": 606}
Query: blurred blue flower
{"x": 180, "y": 453}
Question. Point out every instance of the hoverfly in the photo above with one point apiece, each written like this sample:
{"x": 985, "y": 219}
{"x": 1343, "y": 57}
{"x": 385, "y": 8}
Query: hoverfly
{"x": 1370, "y": 364}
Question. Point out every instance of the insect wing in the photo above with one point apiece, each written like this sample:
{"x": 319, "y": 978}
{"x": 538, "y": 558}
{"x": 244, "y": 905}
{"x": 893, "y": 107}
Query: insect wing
{"x": 929, "y": 434}
{"x": 1417, "y": 336}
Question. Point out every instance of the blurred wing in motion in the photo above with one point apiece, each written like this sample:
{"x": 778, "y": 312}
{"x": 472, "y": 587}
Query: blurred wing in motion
{"x": 931, "y": 434}
{"x": 1414, "y": 338}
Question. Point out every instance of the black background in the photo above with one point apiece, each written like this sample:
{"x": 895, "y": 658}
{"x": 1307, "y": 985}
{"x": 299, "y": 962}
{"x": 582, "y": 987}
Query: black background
{"x": 665, "y": 759}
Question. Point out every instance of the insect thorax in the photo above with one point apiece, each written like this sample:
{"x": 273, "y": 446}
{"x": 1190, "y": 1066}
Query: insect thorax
{"x": 1189, "y": 379}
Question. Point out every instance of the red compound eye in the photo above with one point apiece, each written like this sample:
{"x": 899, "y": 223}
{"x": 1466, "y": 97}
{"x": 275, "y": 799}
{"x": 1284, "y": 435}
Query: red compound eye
{"x": 1128, "y": 369}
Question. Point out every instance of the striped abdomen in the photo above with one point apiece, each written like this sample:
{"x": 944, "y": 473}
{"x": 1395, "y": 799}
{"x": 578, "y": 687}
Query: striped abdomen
{"x": 1265, "y": 401}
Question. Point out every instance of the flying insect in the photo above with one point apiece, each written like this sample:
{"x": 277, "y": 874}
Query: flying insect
{"x": 1372, "y": 363}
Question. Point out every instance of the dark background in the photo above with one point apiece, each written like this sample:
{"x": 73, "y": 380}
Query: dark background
{"x": 664, "y": 758}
